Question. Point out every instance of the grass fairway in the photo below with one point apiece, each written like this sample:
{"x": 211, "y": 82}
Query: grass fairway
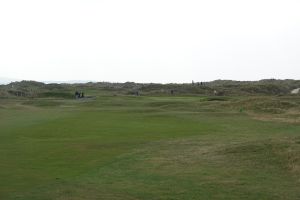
{"x": 125, "y": 147}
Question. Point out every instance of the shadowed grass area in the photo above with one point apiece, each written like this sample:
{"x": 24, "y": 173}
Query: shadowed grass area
{"x": 146, "y": 148}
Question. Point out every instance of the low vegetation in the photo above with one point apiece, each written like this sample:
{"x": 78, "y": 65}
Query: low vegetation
{"x": 113, "y": 144}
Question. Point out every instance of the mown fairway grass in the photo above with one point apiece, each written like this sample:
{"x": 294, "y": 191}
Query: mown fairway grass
{"x": 144, "y": 148}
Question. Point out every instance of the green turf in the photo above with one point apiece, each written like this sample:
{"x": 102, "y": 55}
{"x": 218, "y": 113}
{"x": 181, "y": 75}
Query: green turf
{"x": 125, "y": 147}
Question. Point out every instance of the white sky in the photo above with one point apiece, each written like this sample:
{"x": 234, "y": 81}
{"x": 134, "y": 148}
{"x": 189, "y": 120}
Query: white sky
{"x": 149, "y": 41}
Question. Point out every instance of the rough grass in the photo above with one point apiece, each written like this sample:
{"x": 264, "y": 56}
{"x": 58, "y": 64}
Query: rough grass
{"x": 126, "y": 147}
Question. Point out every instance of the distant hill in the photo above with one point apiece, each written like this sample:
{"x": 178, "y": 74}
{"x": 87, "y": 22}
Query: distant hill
{"x": 217, "y": 87}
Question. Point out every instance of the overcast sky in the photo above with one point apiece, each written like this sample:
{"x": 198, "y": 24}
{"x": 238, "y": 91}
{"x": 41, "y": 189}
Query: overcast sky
{"x": 149, "y": 41}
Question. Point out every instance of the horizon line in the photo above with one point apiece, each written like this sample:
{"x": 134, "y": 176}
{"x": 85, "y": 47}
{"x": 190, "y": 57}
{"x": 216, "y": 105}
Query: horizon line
{"x": 6, "y": 81}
